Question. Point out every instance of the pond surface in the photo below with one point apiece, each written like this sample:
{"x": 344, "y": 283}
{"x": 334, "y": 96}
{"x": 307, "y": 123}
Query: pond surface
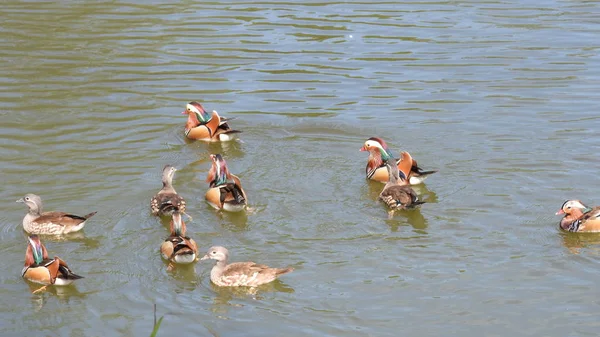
{"x": 500, "y": 96}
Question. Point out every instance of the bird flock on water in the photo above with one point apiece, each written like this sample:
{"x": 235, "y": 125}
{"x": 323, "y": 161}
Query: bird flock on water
{"x": 225, "y": 193}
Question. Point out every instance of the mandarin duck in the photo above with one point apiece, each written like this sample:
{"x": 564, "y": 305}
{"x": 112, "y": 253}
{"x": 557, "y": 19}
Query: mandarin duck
{"x": 167, "y": 201}
{"x": 224, "y": 194}
{"x": 396, "y": 194}
{"x": 50, "y": 223}
{"x": 579, "y": 217}
{"x": 240, "y": 274}
{"x": 201, "y": 125}
{"x": 376, "y": 170}
{"x": 178, "y": 248}
{"x": 42, "y": 270}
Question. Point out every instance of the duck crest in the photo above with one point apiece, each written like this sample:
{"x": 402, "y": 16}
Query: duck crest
{"x": 36, "y": 249}
{"x": 177, "y": 225}
{"x": 219, "y": 173}
{"x": 201, "y": 115}
{"x": 383, "y": 149}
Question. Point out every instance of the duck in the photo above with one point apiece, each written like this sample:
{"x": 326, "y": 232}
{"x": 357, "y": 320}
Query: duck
{"x": 203, "y": 126}
{"x": 178, "y": 248}
{"x": 50, "y": 223}
{"x": 375, "y": 169}
{"x": 45, "y": 271}
{"x": 225, "y": 190}
{"x": 579, "y": 217}
{"x": 167, "y": 201}
{"x": 397, "y": 194}
{"x": 240, "y": 274}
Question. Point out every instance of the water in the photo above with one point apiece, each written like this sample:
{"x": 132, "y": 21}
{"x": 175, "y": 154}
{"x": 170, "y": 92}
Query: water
{"x": 499, "y": 96}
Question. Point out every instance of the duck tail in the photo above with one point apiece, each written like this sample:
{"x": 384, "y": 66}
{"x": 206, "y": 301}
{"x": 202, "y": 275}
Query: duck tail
{"x": 87, "y": 216}
{"x": 281, "y": 271}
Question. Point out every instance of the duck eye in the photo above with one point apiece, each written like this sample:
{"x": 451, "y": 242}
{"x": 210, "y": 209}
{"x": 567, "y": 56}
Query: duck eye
{"x": 214, "y": 252}
{"x": 27, "y": 198}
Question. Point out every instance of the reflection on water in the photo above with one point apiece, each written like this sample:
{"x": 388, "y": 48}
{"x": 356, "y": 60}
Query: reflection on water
{"x": 487, "y": 92}
{"x": 225, "y": 295}
{"x": 577, "y": 242}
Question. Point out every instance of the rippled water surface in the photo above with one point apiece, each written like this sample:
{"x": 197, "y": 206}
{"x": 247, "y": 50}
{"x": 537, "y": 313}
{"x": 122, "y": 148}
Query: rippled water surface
{"x": 500, "y": 96}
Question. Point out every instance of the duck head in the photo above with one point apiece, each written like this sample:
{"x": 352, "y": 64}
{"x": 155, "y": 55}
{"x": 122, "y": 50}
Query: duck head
{"x": 216, "y": 253}
{"x": 197, "y": 110}
{"x": 218, "y": 173}
{"x": 572, "y": 206}
{"x": 167, "y": 175}
{"x": 36, "y": 252}
{"x": 33, "y": 202}
{"x": 177, "y": 224}
{"x": 378, "y": 148}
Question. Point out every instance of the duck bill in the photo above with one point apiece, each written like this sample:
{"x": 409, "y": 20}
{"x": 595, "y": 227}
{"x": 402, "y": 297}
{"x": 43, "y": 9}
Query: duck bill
{"x": 20, "y": 200}
{"x": 560, "y": 212}
{"x": 205, "y": 257}
{"x": 362, "y": 149}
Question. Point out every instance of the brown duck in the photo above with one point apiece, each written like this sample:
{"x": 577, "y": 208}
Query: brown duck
{"x": 379, "y": 153}
{"x": 396, "y": 194}
{"x": 49, "y": 223}
{"x": 579, "y": 217}
{"x": 178, "y": 248}
{"x": 201, "y": 125}
{"x": 166, "y": 201}
{"x": 225, "y": 189}
{"x": 43, "y": 270}
{"x": 240, "y": 274}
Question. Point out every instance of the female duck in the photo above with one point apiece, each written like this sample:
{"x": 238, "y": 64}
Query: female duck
{"x": 49, "y": 223}
{"x": 240, "y": 274}
{"x": 376, "y": 170}
{"x": 42, "y": 270}
{"x": 167, "y": 201}
{"x": 224, "y": 194}
{"x": 201, "y": 125}
{"x": 579, "y": 217}
{"x": 178, "y": 248}
{"x": 396, "y": 194}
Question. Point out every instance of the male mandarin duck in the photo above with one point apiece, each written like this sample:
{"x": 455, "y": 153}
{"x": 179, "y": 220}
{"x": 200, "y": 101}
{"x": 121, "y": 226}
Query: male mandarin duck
{"x": 201, "y": 125}
{"x": 167, "y": 201}
{"x": 178, "y": 248}
{"x": 240, "y": 274}
{"x": 376, "y": 170}
{"x": 40, "y": 269}
{"x": 579, "y": 217}
{"x": 396, "y": 194}
{"x": 49, "y": 223}
{"x": 224, "y": 194}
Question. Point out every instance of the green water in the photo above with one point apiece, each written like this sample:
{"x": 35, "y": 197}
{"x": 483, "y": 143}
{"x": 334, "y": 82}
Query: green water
{"x": 500, "y": 97}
